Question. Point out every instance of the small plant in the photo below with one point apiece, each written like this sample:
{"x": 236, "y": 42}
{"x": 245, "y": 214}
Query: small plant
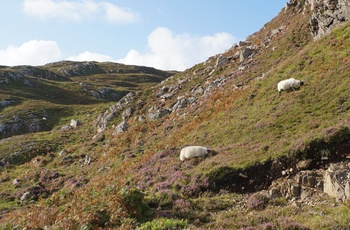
{"x": 287, "y": 223}
{"x": 134, "y": 202}
{"x": 164, "y": 224}
{"x": 325, "y": 153}
{"x": 257, "y": 201}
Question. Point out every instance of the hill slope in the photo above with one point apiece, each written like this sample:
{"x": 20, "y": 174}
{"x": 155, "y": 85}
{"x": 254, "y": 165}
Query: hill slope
{"x": 121, "y": 168}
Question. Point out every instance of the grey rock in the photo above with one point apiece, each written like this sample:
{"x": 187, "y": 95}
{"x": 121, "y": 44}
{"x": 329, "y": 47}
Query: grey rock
{"x": 221, "y": 61}
{"x": 8, "y": 102}
{"x": 159, "y": 114}
{"x": 15, "y": 182}
{"x": 180, "y": 103}
{"x": 337, "y": 181}
{"x": 301, "y": 165}
{"x": 326, "y": 15}
{"x": 127, "y": 113}
{"x": 75, "y": 123}
{"x": 24, "y": 197}
{"x": 245, "y": 53}
{"x": 122, "y": 127}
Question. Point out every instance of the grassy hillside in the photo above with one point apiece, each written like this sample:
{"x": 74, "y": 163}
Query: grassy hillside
{"x": 59, "y": 90}
{"x": 135, "y": 179}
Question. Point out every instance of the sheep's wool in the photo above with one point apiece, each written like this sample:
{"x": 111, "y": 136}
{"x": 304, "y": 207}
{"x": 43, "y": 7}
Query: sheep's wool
{"x": 288, "y": 84}
{"x": 193, "y": 151}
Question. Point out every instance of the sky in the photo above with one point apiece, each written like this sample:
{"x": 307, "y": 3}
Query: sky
{"x": 164, "y": 34}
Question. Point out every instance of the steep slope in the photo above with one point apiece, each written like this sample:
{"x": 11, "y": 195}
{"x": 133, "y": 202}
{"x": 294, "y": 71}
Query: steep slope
{"x": 121, "y": 168}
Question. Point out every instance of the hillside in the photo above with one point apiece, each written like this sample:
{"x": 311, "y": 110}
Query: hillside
{"x": 278, "y": 161}
{"x": 57, "y": 90}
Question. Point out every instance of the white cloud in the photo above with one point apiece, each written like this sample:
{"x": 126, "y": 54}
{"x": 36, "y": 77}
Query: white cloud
{"x": 178, "y": 52}
{"x": 79, "y": 10}
{"x": 34, "y": 52}
{"x": 90, "y": 56}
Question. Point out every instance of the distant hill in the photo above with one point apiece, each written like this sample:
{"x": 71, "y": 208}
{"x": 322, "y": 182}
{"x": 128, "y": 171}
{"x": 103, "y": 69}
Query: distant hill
{"x": 276, "y": 160}
{"x": 28, "y": 94}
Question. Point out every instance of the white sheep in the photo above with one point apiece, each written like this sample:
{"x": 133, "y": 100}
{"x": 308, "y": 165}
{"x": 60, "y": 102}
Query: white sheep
{"x": 193, "y": 151}
{"x": 289, "y": 84}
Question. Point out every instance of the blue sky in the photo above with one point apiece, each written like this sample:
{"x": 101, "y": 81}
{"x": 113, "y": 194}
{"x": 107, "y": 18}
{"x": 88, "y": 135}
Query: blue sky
{"x": 171, "y": 35}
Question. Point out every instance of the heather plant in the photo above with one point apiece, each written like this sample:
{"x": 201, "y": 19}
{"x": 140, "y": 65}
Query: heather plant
{"x": 290, "y": 224}
{"x": 182, "y": 208}
{"x": 135, "y": 204}
{"x": 256, "y": 201}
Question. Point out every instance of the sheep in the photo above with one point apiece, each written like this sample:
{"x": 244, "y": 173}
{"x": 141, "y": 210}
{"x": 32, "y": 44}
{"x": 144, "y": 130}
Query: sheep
{"x": 193, "y": 151}
{"x": 289, "y": 84}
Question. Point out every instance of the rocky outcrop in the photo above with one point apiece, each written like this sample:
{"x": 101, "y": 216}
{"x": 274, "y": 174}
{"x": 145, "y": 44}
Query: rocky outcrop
{"x": 107, "y": 93}
{"x": 122, "y": 127}
{"x": 8, "y": 102}
{"x": 325, "y": 14}
{"x": 335, "y": 182}
{"x": 39, "y": 73}
{"x": 7, "y": 77}
{"x": 72, "y": 69}
{"x": 19, "y": 125}
{"x": 103, "y": 119}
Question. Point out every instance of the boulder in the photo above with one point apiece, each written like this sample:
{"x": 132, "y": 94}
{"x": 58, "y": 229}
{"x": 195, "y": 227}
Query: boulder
{"x": 301, "y": 165}
{"x": 159, "y": 114}
{"x": 245, "y": 53}
{"x": 127, "y": 113}
{"x": 180, "y": 103}
{"x": 337, "y": 181}
{"x": 122, "y": 127}
{"x": 221, "y": 61}
{"x": 74, "y": 123}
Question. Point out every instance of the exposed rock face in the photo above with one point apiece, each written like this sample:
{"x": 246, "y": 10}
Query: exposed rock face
{"x": 103, "y": 119}
{"x": 18, "y": 125}
{"x": 78, "y": 69}
{"x": 245, "y": 53}
{"x": 122, "y": 127}
{"x": 39, "y": 73}
{"x": 327, "y": 14}
{"x": 9, "y": 76}
{"x": 335, "y": 181}
{"x": 8, "y": 102}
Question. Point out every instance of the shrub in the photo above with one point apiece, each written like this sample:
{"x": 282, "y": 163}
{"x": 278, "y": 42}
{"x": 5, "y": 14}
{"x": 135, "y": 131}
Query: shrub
{"x": 290, "y": 224}
{"x": 135, "y": 204}
{"x": 257, "y": 201}
{"x": 164, "y": 224}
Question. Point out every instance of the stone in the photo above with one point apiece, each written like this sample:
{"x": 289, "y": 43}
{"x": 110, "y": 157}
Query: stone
{"x": 274, "y": 193}
{"x": 295, "y": 189}
{"x": 336, "y": 182}
{"x": 127, "y": 113}
{"x": 221, "y": 61}
{"x": 74, "y": 123}
{"x": 327, "y": 15}
{"x": 180, "y": 103}
{"x": 24, "y": 197}
{"x": 301, "y": 165}
{"x": 122, "y": 127}
{"x": 159, "y": 114}
{"x": 245, "y": 53}
{"x": 15, "y": 182}
{"x": 62, "y": 152}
